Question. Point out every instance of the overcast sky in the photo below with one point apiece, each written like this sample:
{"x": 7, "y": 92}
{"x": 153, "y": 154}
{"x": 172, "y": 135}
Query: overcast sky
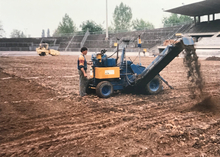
{"x": 31, "y": 16}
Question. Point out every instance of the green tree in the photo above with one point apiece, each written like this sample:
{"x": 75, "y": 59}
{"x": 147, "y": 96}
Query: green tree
{"x": 122, "y": 17}
{"x": 175, "y": 19}
{"x": 111, "y": 28}
{"x": 17, "y": 34}
{"x": 66, "y": 27}
{"x": 141, "y": 24}
{"x": 91, "y": 26}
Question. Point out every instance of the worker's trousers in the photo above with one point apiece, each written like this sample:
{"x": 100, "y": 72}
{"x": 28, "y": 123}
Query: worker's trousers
{"x": 82, "y": 83}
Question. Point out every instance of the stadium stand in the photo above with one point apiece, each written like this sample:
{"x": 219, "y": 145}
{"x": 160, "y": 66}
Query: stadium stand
{"x": 204, "y": 27}
{"x": 73, "y": 46}
{"x": 206, "y": 33}
{"x": 17, "y": 44}
{"x": 150, "y": 38}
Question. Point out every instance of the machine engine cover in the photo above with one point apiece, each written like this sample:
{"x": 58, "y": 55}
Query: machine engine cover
{"x": 107, "y": 72}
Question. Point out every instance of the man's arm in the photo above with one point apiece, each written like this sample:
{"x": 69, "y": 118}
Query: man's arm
{"x": 81, "y": 65}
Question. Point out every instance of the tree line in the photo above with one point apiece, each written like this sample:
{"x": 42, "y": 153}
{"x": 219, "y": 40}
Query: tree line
{"x": 122, "y": 21}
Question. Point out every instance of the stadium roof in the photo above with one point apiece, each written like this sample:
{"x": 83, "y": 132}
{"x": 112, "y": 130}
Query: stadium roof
{"x": 198, "y": 9}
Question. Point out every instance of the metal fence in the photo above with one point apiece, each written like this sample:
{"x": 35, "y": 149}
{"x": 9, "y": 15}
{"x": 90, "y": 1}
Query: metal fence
{"x": 122, "y": 30}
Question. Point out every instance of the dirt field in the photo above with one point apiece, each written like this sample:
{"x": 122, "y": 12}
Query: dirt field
{"x": 41, "y": 113}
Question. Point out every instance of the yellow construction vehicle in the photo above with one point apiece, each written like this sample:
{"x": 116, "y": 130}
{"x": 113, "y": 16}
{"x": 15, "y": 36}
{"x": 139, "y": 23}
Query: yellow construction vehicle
{"x": 44, "y": 50}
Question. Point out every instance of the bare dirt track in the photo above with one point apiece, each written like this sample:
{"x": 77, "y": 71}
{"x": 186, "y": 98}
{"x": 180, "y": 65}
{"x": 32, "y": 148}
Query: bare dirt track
{"x": 41, "y": 113}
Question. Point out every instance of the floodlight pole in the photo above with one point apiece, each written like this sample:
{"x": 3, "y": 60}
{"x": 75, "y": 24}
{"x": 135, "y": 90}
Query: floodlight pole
{"x": 106, "y": 38}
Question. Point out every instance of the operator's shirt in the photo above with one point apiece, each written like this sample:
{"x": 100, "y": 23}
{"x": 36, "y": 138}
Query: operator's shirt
{"x": 82, "y": 63}
{"x": 139, "y": 42}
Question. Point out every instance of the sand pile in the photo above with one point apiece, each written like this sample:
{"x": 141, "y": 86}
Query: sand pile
{"x": 208, "y": 104}
{"x": 213, "y": 58}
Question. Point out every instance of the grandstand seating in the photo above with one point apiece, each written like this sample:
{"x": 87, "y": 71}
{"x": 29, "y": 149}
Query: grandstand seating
{"x": 150, "y": 38}
{"x": 74, "y": 45}
{"x": 204, "y": 27}
{"x": 17, "y": 44}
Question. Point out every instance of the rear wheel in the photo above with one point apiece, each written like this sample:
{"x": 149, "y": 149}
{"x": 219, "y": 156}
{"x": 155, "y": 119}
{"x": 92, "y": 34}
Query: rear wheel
{"x": 104, "y": 89}
{"x": 154, "y": 86}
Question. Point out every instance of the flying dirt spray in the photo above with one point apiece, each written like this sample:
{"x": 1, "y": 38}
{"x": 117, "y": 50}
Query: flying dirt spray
{"x": 194, "y": 76}
{"x": 206, "y": 102}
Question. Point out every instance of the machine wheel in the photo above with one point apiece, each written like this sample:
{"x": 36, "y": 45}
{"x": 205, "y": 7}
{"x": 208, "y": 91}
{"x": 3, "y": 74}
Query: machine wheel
{"x": 104, "y": 89}
{"x": 42, "y": 54}
{"x": 154, "y": 86}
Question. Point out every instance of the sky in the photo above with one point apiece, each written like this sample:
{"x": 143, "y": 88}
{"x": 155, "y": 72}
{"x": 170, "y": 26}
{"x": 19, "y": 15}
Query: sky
{"x": 32, "y": 16}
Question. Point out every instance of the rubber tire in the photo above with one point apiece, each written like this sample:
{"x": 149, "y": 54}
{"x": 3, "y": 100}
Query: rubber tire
{"x": 43, "y": 54}
{"x": 154, "y": 86}
{"x": 104, "y": 89}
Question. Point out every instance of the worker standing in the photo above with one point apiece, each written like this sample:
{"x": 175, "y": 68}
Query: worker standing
{"x": 82, "y": 68}
{"x": 139, "y": 46}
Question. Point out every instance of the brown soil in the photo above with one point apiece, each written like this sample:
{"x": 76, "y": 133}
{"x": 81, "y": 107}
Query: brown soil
{"x": 41, "y": 113}
{"x": 213, "y": 58}
{"x": 209, "y": 104}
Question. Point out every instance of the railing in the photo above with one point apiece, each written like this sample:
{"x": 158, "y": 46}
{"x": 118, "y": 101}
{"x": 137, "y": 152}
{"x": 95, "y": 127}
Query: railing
{"x": 110, "y": 43}
{"x": 69, "y": 34}
{"x": 15, "y": 44}
{"x": 84, "y": 38}
{"x": 169, "y": 36}
{"x": 121, "y": 31}
{"x": 178, "y": 24}
{"x": 48, "y": 40}
{"x": 69, "y": 43}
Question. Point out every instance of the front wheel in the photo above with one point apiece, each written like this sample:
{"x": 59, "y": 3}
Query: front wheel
{"x": 154, "y": 86}
{"x": 104, "y": 89}
{"x": 42, "y": 54}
